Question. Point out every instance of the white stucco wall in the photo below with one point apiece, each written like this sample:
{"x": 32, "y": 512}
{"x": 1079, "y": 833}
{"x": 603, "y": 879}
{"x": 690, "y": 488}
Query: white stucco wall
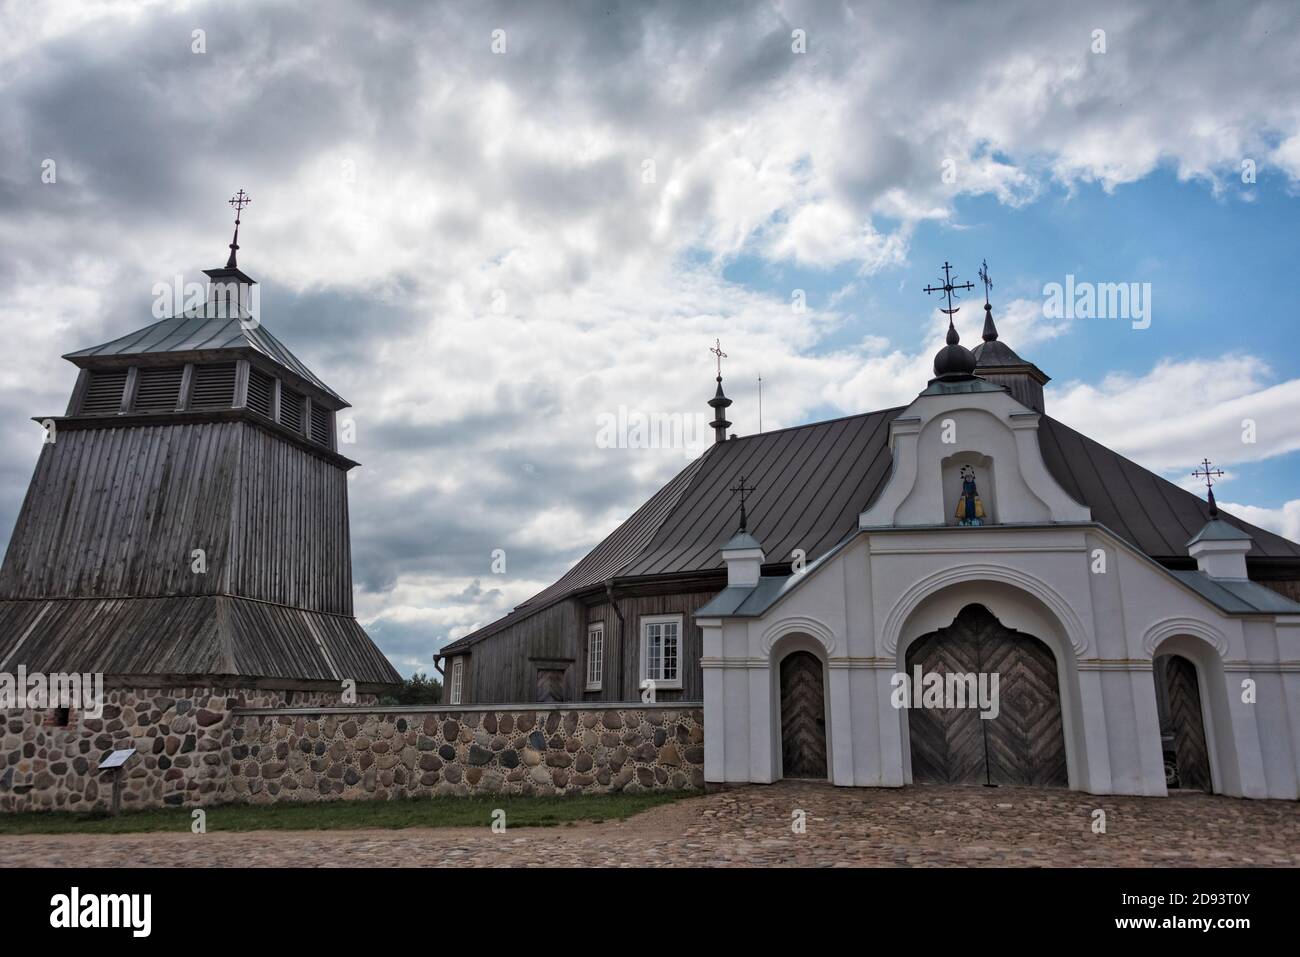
{"x": 1103, "y": 609}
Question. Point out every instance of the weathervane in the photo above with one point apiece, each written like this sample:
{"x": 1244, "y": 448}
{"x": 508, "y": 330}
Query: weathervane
{"x": 744, "y": 493}
{"x": 948, "y": 288}
{"x": 716, "y": 349}
{"x": 984, "y": 278}
{"x": 239, "y": 201}
{"x": 1209, "y": 475}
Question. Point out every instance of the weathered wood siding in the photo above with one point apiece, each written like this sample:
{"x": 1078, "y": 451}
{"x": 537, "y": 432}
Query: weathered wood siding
{"x": 502, "y": 668}
{"x": 118, "y": 512}
{"x": 622, "y": 678}
{"x": 290, "y": 540}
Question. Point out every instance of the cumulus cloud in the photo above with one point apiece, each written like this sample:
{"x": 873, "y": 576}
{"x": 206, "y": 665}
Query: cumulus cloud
{"x": 484, "y": 252}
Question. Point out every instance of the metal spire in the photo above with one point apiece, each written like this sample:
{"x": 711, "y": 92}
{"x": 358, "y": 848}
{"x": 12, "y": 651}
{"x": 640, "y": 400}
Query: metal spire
{"x": 744, "y": 493}
{"x": 719, "y": 403}
{"x": 239, "y": 201}
{"x": 1209, "y": 475}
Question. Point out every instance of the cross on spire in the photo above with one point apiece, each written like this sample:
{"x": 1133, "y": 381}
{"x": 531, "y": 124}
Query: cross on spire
{"x": 744, "y": 493}
{"x": 1208, "y": 475}
{"x": 716, "y": 349}
{"x": 948, "y": 288}
{"x": 239, "y": 201}
{"x": 984, "y": 278}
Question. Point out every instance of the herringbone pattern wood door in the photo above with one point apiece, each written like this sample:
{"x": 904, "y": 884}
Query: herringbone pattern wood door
{"x": 1024, "y": 744}
{"x": 1187, "y": 722}
{"x": 803, "y": 717}
{"x": 947, "y": 743}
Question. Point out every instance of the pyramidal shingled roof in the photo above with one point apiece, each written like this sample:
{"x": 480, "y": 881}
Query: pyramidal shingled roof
{"x": 197, "y": 332}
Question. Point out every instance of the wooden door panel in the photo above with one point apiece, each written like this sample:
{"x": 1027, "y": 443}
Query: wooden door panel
{"x": 1024, "y": 744}
{"x": 803, "y": 717}
{"x": 947, "y": 743}
{"x": 1186, "y": 720}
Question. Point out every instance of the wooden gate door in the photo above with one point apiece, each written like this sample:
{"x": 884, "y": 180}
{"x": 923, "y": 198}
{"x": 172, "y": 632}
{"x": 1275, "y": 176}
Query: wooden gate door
{"x": 1024, "y": 744}
{"x": 803, "y": 717}
{"x": 1182, "y": 724}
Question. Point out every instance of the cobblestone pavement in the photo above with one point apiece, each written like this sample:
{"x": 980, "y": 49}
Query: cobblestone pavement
{"x": 749, "y": 826}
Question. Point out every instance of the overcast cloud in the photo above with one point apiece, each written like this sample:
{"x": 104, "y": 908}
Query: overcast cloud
{"x": 463, "y": 244}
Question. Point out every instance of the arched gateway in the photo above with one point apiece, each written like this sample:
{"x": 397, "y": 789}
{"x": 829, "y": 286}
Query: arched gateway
{"x": 1022, "y": 741}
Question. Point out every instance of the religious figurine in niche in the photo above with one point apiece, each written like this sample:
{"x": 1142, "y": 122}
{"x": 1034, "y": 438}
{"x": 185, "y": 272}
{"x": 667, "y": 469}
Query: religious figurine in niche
{"x": 970, "y": 510}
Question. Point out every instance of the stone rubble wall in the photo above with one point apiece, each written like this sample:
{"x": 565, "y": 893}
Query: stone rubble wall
{"x": 439, "y": 751}
{"x": 182, "y": 736}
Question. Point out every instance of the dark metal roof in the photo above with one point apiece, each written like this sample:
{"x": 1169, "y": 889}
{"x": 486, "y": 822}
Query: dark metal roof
{"x": 195, "y": 332}
{"x": 1154, "y": 515}
{"x": 212, "y": 635}
{"x": 814, "y": 480}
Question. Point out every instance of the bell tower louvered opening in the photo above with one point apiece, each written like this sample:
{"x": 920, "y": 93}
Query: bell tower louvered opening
{"x": 261, "y": 390}
{"x": 104, "y": 392}
{"x": 291, "y": 409}
{"x": 158, "y": 390}
{"x": 214, "y": 386}
{"x": 320, "y": 425}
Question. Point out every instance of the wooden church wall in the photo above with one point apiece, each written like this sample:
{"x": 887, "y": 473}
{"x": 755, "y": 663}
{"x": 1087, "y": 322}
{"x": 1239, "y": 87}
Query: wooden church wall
{"x": 634, "y": 608}
{"x": 503, "y": 667}
{"x": 290, "y": 530}
{"x": 117, "y": 512}
{"x": 130, "y": 506}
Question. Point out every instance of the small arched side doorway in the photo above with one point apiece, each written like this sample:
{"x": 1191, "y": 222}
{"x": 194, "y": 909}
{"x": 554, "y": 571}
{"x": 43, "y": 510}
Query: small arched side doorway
{"x": 1024, "y": 743}
{"x": 1182, "y": 724}
{"x": 803, "y": 716}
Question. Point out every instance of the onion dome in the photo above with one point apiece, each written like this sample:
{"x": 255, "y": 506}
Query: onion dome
{"x": 954, "y": 361}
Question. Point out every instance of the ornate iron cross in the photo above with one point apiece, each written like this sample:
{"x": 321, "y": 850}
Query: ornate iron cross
{"x": 239, "y": 201}
{"x": 1209, "y": 475}
{"x": 948, "y": 288}
{"x": 744, "y": 493}
{"x": 716, "y": 349}
{"x": 984, "y": 278}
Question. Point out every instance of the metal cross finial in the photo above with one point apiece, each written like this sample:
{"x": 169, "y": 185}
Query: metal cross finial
{"x": 1209, "y": 474}
{"x": 744, "y": 494}
{"x": 948, "y": 288}
{"x": 984, "y": 278}
{"x": 716, "y": 349}
{"x": 239, "y": 201}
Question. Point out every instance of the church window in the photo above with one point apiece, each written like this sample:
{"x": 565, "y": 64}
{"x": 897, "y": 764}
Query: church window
{"x": 661, "y": 650}
{"x": 595, "y": 655}
{"x": 457, "y": 679}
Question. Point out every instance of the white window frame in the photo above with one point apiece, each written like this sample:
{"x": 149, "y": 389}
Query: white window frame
{"x": 661, "y": 684}
{"x": 457, "y": 682}
{"x": 595, "y": 656}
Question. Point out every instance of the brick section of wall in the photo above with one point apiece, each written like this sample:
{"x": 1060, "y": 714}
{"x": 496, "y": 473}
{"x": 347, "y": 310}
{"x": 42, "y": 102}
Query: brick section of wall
{"x": 360, "y": 755}
{"x": 182, "y": 737}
